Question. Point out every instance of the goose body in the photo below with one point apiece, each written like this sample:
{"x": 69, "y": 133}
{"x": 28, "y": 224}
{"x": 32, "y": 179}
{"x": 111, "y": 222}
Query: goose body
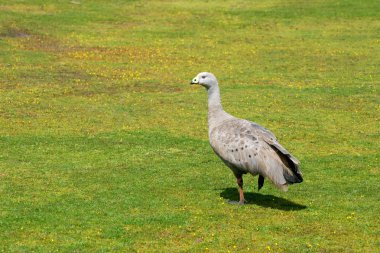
{"x": 244, "y": 146}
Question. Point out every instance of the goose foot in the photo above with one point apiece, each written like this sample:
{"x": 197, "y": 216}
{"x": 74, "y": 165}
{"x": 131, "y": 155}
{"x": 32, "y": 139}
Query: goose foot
{"x": 234, "y": 202}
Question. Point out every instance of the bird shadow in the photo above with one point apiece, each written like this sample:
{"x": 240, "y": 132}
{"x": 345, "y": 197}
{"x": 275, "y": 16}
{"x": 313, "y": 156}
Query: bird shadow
{"x": 268, "y": 201}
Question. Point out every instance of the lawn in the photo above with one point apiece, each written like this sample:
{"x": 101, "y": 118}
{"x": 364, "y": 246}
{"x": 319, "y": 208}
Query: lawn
{"x": 104, "y": 144}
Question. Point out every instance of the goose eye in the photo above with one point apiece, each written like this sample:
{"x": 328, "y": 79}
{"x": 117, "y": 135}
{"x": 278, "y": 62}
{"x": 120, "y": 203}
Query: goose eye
{"x": 203, "y": 77}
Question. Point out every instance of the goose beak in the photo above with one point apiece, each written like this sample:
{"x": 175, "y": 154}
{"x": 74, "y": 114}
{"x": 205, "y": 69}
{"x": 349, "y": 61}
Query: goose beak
{"x": 194, "y": 81}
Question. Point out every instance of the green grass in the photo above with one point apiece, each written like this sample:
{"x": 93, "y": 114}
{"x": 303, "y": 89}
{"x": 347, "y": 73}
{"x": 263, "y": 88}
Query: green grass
{"x": 103, "y": 142}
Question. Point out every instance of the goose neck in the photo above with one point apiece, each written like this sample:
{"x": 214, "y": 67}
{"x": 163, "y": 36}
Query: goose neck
{"x": 214, "y": 102}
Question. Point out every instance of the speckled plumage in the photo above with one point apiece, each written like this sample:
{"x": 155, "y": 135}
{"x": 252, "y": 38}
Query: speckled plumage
{"x": 244, "y": 146}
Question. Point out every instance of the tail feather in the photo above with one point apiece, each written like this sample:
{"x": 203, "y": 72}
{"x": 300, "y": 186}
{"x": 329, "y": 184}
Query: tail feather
{"x": 291, "y": 171}
{"x": 292, "y": 177}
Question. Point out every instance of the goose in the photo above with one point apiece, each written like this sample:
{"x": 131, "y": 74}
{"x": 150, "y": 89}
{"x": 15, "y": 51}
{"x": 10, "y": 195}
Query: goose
{"x": 245, "y": 146}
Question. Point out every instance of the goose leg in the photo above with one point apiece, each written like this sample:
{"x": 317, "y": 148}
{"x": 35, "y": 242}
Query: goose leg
{"x": 239, "y": 181}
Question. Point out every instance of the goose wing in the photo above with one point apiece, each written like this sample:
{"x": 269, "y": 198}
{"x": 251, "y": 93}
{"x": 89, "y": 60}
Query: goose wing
{"x": 287, "y": 159}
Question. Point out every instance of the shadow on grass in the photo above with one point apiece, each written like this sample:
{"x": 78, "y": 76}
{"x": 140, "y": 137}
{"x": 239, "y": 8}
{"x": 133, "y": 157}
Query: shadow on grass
{"x": 262, "y": 200}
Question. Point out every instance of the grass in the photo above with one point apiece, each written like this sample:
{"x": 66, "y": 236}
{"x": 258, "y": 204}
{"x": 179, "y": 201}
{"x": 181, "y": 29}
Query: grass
{"x": 104, "y": 143}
